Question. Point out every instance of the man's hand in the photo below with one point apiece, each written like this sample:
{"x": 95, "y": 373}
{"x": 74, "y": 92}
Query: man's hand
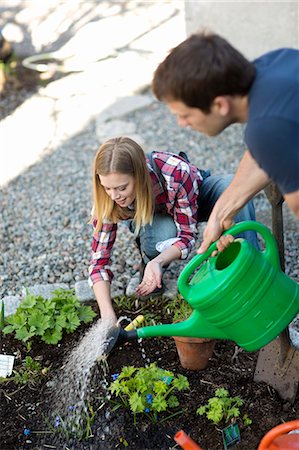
{"x": 151, "y": 280}
{"x": 249, "y": 179}
{"x": 212, "y": 232}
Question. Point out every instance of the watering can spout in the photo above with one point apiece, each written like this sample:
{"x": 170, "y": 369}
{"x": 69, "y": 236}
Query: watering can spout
{"x": 194, "y": 326}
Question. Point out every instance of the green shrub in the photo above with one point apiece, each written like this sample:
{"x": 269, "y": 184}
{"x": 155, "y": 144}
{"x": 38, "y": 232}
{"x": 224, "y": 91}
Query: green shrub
{"x": 48, "y": 319}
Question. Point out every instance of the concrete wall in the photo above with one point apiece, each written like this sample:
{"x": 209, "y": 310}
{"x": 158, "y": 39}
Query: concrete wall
{"x": 253, "y": 27}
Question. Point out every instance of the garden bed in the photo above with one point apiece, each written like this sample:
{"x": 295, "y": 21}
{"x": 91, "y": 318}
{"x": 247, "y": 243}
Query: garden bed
{"x": 30, "y": 406}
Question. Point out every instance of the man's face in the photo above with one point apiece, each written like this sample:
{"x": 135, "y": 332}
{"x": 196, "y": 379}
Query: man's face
{"x": 211, "y": 123}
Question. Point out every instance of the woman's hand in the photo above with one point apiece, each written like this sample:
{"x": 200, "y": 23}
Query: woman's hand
{"x": 152, "y": 278}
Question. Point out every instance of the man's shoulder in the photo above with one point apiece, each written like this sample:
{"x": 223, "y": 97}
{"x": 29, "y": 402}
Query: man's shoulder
{"x": 277, "y": 57}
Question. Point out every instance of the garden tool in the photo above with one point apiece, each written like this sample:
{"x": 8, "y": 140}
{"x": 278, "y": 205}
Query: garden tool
{"x": 278, "y": 362}
{"x": 185, "y": 441}
{"x": 241, "y": 295}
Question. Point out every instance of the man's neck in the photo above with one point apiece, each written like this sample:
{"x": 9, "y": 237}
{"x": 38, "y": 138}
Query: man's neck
{"x": 239, "y": 109}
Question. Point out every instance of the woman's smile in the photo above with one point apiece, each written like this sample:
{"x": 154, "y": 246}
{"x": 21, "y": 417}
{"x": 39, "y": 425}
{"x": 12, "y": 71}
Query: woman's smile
{"x": 120, "y": 188}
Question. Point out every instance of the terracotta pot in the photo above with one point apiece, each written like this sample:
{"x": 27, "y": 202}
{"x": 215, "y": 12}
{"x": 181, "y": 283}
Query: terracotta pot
{"x": 194, "y": 353}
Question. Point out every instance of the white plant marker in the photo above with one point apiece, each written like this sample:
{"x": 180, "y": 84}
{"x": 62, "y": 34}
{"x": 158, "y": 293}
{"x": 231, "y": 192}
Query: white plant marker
{"x": 6, "y": 365}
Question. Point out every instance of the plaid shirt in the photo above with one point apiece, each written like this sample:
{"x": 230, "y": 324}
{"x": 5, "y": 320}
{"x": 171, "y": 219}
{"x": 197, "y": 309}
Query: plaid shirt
{"x": 177, "y": 196}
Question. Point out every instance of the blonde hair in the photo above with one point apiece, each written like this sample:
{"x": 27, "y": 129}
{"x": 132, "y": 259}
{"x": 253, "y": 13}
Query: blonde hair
{"x": 125, "y": 156}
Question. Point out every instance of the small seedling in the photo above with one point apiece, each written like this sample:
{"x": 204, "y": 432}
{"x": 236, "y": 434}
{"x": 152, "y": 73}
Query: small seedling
{"x": 30, "y": 373}
{"x": 147, "y": 390}
{"x": 223, "y": 408}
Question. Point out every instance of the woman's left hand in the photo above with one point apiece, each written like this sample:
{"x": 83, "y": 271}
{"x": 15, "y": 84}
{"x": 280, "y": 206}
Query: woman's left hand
{"x": 152, "y": 279}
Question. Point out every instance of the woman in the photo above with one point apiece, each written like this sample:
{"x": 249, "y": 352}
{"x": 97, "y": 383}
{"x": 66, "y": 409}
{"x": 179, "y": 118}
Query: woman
{"x": 162, "y": 199}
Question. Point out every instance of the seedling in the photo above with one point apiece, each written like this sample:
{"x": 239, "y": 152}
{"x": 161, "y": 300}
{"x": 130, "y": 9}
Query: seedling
{"x": 223, "y": 408}
{"x": 147, "y": 390}
{"x": 30, "y": 373}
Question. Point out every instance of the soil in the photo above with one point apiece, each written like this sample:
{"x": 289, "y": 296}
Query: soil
{"x": 29, "y": 406}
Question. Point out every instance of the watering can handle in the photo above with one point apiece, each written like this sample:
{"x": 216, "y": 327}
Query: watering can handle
{"x": 270, "y": 253}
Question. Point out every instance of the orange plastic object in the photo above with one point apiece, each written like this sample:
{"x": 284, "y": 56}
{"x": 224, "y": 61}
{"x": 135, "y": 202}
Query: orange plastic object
{"x": 278, "y": 439}
{"x": 185, "y": 441}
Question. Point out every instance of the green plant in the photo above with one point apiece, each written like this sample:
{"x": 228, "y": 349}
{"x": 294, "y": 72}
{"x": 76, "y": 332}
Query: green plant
{"x": 178, "y": 308}
{"x": 30, "y": 373}
{"x": 147, "y": 390}
{"x": 2, "y": 319}
{"x": 224, "y": 408}
{"x": 48, "y": 319}
{"x": 75, "y": 424}
{"x": 133, "y": 307}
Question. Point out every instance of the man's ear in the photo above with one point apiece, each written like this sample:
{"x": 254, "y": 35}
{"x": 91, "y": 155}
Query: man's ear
{"x": 221, "y": 105}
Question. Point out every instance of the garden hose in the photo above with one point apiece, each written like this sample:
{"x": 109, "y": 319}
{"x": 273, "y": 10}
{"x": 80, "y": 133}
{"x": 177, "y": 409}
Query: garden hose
{"x": 42, "y": 63}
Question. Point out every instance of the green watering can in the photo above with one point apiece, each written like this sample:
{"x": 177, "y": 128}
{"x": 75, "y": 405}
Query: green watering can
{"x": 240, "y": 295}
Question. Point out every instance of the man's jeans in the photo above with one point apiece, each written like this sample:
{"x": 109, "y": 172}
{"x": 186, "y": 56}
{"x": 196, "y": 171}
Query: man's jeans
{"x": 163, "y": 226}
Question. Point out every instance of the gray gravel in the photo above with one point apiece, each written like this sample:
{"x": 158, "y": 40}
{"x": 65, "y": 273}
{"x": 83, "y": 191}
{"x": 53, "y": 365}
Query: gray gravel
{"x": 44, "y": 232}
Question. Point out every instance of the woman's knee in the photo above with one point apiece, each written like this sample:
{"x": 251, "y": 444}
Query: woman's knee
{"x": 161, "y": 229}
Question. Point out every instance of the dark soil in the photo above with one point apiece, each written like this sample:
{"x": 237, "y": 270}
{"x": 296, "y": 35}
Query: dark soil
{"x": 28, "y": 406}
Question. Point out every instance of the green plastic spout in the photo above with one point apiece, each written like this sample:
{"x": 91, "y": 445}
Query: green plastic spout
{"x": 194, "y": 326}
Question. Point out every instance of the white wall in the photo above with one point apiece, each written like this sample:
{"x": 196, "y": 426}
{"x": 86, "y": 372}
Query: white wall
{"x": 253, "y": 27}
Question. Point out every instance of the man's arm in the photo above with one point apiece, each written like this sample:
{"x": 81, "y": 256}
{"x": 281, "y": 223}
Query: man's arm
{"x": 249, "y": 179}
{"x": 292, "y": 200}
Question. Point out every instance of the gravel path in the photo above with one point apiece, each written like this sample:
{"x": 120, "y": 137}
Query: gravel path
{"x": 44, "y": 232}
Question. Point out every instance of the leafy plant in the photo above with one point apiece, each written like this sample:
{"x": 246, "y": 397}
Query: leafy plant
{"x": 133, "y": 306}
{"x": 224, "y": 408}
{"x": 147, "y": 390}
{"x": 178, "y": 308}
{"x": 30, "y": 373}
{"x": 2, "y": 319}
{"x": 48, "y": 318}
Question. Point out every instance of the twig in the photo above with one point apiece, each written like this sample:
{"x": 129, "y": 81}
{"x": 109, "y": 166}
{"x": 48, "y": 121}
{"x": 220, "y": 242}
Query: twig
{"x": 206, "y": 382}
{"x": 236, "y": 352}
{"x": 14, "y": 392}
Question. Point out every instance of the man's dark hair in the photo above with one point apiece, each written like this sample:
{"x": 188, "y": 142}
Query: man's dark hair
{"x": 201, "y": 68}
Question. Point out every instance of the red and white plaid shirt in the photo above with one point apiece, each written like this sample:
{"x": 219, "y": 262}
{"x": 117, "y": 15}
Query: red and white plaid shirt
{"x": 178, "y": 197}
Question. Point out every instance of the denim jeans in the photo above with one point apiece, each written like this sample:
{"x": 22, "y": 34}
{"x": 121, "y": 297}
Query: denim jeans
{"x": 163, "y": 226}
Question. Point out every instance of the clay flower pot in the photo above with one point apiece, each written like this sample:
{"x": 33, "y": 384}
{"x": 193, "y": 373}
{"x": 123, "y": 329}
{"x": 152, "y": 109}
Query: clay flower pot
{"x": 194, "y": 353}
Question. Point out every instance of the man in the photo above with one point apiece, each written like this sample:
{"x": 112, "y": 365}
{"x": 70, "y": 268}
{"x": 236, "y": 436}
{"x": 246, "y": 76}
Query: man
{"x": 209, "y": 85}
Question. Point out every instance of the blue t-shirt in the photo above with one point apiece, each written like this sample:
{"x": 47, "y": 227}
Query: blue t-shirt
{"x": 272, "y": 131}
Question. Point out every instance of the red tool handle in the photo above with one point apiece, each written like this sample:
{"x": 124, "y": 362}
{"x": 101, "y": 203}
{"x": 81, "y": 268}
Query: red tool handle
{"x": 185, "y": 441}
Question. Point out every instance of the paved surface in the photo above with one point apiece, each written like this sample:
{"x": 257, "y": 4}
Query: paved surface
{"x": 116, "y": 44}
